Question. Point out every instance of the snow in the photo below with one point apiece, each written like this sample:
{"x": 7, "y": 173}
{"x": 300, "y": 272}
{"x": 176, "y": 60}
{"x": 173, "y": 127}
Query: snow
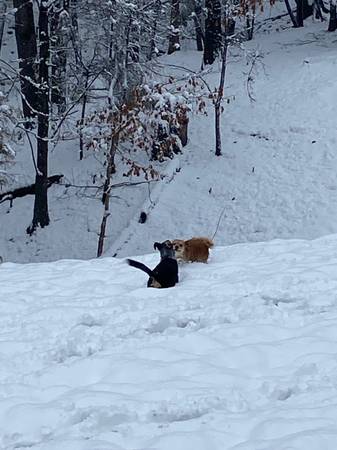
{"x": 279, "y": 163}
{"x": 241, "y": 354}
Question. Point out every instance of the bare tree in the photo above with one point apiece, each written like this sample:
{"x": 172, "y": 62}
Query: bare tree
{"x": 303, "y": 11}
{"x": 333, "y": 16}
{"x": 212, "y": 41}
{"x": 218, "y": 100}
{"x": 197, "y": 17}
{"x": 27, "y": 53}
{"x": 3, "y": 9}
{"x": 110, "y": 170}
{"x": 41, "y": 214}
{"x": 174, "y": 39}
{"x": 8, "y": 121}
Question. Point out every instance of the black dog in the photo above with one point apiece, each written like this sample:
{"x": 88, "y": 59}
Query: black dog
{"x": 165, "y": 274}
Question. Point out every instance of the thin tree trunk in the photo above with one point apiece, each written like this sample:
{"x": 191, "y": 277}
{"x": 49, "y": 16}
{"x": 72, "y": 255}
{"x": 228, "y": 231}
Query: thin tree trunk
{"x": 199, "y": 35}
{"x": 299, "y": 13}
{"x": 317, "y": 10}
{"x": 174, "y": 39}
{"x": 304, "y": 10}
{"x": 3, "y": 9}
{"x": 333, "y": 17}
{"x": 183, "y": 127}
{"x": 156, "y": 15}
{"x": 212, "y": 40}
{"x": 72, "y": 6}
{"x": 110, "y": 170}
{"x": 58, "y": 52}
{"x": 217, "y": 106}
{"x": 41, "y": 214}
{"x": 125, "y": 64}
{"x": 27, "y": 53}
{"x": 250, "y": 23}
{"x": 84, "y": 105}
{"x": 291, "y": 14}
{"x": 322, "y": 6}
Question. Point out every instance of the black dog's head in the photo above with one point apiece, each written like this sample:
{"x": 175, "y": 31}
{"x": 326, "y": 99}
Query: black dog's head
{"x": 165, "y": 248}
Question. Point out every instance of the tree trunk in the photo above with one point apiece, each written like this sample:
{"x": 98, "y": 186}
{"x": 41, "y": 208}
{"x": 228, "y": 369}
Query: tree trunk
{"x": 3, "y": 9}
{"x": 333, "y": 17}
{"x": 212, "y": 41}
{"x": 41, "y": 215}
{"x": 59, "y": 38}
{"x": 27, "y": 53}
{"x": 174, "y": 39}
{"x": 199, "y": 35}
{"x": 110, "y": 169}
{"x": 291, "y": 14}
{"x": 84, "y": 105}
{"x": 250, "y": 23}
{"x": 153, "y": 35}
{"x": 183, "y": 127}
{"x": 304, "y": 10}
{"x": 217, "y": 106}
{"x": 322, "y": 6}
{"x": 71, "y": 6}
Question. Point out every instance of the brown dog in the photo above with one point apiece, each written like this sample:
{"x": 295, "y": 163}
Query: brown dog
{"x": 194, "y": 250}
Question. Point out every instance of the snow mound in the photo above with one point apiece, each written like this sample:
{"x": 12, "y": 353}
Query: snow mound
{"x": 241, "y": 354}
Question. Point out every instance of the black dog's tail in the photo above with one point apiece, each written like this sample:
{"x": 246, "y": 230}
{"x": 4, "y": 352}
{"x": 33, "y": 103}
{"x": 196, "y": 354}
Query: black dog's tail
{"x": 140, "y": 266}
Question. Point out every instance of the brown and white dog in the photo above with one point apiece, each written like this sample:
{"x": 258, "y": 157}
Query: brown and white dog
{"x": 193, "y": 250}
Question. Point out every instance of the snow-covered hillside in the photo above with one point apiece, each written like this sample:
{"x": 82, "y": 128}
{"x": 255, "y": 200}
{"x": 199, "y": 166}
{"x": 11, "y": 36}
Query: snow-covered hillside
{"x": 241, "y": 354}
{"x": 277, "y": 177}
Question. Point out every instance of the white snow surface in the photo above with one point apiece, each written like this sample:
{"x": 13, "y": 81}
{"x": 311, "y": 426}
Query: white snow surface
{"x": 241, "y": 354}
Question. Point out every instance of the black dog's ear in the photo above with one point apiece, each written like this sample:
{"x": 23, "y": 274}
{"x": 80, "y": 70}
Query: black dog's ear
{"x": 155, "y": 245}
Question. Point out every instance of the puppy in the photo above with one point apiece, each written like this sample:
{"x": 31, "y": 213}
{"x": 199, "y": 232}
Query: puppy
{"x": 194, "y": 250}
{"x": 165, "y": 274}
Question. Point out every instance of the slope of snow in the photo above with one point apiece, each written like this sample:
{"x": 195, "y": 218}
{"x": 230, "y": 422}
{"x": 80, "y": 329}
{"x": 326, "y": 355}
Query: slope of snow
{"x": 279, "y": 164}
{"x": 277, "y": 177}
{"x": 241, "y": 354}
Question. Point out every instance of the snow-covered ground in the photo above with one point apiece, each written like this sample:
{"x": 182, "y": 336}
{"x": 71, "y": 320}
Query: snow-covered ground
{"x": 241, "y": 354}
{"x": 277, "y": 177}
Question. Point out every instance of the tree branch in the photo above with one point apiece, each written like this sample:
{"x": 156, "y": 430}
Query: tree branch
{"x": 27, "y": 190}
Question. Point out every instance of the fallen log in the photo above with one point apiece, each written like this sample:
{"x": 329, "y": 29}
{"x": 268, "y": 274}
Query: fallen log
{"x": 26, "y": 190}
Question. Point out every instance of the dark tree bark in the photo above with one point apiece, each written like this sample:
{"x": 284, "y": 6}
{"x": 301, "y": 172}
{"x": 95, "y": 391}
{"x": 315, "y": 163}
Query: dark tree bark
{"x": 84, "y": 105}
{"x": 183, "y": 127}
{"x": 27, "y": 53}
{"x": 58, "y": 40}
{"x": 217, "y": 106}
{"x": 318, "y": 10}
{"x": 41, "y": 214}
{"x": 322, "y": 6}
{"x": 153, "y": 46}
{"x": 303, "y": 11}
{"x": 110, "y": 170}
{"x": 135, "y": 39}
{"x": 333, "y": 17}
{"x": 199, "y": 35}
{"x": 212, "y": 41}
{"x": 174, "y": 38}
{"x": 291, "y": 14}
{"x": 27, "y": 190}
{"x": 72, "y": 6}
{"x": 3, "y": 9}
{"x": 250, "y": 23}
